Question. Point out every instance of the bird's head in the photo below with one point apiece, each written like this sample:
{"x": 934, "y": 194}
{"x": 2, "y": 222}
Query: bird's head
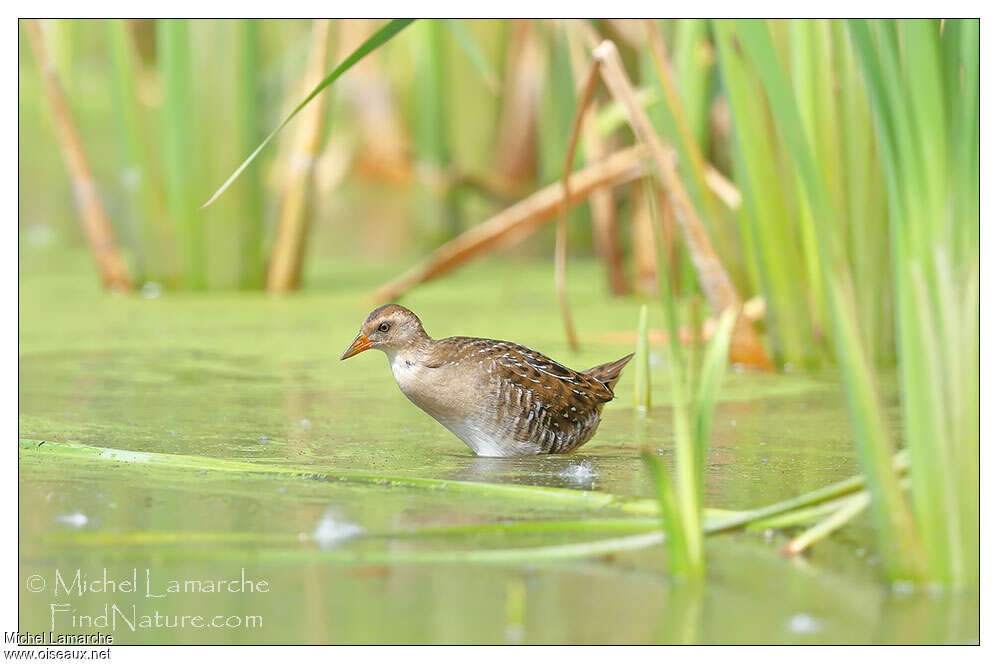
{"x": 390, "y": 328}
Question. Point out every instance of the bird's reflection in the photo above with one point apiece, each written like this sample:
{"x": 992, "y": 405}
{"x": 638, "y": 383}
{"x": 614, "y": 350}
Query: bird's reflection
{"x": 571, "y": 471}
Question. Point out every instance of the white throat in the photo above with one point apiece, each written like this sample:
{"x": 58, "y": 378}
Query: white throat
{"x": 404, "y": 367}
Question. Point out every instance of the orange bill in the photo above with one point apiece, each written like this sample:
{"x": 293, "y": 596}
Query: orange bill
{"x": 360, "y": 343}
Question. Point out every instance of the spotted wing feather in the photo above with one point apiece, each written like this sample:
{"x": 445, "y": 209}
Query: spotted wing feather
{"x": 533, "y": 400}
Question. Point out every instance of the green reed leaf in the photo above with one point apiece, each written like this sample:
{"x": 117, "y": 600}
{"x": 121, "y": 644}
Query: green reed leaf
{"x": 390, "y": 30}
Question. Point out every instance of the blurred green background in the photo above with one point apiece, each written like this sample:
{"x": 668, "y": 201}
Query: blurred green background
{"x": 832, "y": 165}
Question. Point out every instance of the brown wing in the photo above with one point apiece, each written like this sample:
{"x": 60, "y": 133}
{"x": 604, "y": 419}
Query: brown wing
{"x": 534, "y": 398}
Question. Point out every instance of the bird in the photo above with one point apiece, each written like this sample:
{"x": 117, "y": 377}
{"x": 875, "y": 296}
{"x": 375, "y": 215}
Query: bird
{"x": 502, "y": 399}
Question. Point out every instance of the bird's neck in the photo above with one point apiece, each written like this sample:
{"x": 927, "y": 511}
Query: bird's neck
{"x": 414, "y": 352}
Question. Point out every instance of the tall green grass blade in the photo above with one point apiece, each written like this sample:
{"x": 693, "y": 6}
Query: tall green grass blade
{"x": 139, "y": 175}
{"x": 694, "y": 71}
{"x": 965, "y": 141}
{"x": 881, "y": 73}
{"x": 923, "y": 88}
{"x": 712, "y": 371}
{"x": 927, "y": 157}
{"x": 557, "y": 112}
{"x": 901, "y": 551}
{"x": 863, "y": 205}
{"x": 810, "y": 78}
{"x": 435, "y": 206}
{"x": 968, "y": 453}
{"x": 430, "y": 127}
{"x": 251, "y": 208}
{"x": 769, "y": 235}
{"x": 216, "y": 133}
{"x": 383, "y": 35}
{"x": 179, "y": 141}
{"x": 944, "y": 552}
{"x": 643, "y": 387}
{"x": 678, "y": 560}
{"x": 684, "y": 525}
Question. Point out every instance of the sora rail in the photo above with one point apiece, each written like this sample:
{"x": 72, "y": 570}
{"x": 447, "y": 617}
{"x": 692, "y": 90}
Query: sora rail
{"x": 502, "y": 399}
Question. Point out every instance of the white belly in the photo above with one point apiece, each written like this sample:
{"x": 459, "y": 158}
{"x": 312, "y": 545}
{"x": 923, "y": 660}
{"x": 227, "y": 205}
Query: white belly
{"x": 462, "y": 414}
{"x": 476, "y": 438}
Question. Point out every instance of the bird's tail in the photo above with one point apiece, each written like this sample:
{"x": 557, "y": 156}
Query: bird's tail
{"x": 609, "y": 373}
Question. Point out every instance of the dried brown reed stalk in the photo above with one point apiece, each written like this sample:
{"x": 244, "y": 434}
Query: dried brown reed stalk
{"x": 643, "y": 240}
{"x": 667, "y": 225}
{"x": 285, "y": 270}
{"x": 516, "y": 150}
{"x": 519, "y": 220}
{"x": 96, "y": 226}
{"x": 746, "y": 348}
{"x": 602, "y": 210}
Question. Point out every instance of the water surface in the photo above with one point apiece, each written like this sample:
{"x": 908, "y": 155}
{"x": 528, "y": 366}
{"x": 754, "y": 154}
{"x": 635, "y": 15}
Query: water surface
{"x": 249, "y": 378}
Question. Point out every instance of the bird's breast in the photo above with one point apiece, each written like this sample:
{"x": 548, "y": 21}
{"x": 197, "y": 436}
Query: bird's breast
{"x": 433, "y": 389}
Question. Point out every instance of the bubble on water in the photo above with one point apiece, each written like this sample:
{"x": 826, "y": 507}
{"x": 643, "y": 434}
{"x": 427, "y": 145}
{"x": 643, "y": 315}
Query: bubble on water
{"x": 305, "y": 423}
{"x": 264, "y": 437}
{"x": 40, "y": 235}
{"x": 131, "y": 178}
{"x": 514, "y": 633}
{"x": 332, "y": 530}
{"x": 76, "y": 520}
{"x": 585, "y": 470}
{"x": 151, "y": 290}
{"x": 804, "y": 624}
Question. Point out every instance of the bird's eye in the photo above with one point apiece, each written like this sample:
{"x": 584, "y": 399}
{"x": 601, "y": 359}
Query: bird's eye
{"x": 384, "y": 326}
